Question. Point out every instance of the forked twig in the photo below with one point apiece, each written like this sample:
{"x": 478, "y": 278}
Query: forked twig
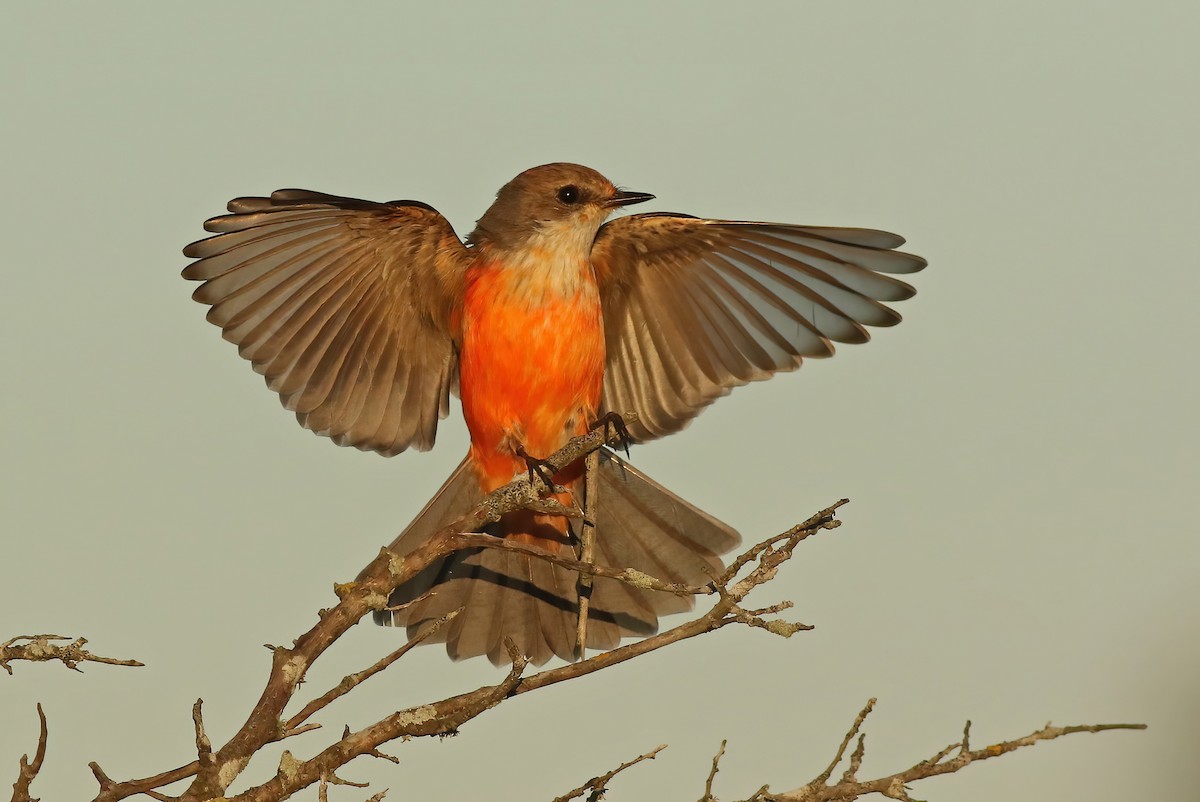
{"x": 28, "y": 769}
{"x": 598, "y": 785}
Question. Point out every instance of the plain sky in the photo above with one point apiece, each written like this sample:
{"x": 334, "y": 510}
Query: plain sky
{"x": 1020, "y": 453}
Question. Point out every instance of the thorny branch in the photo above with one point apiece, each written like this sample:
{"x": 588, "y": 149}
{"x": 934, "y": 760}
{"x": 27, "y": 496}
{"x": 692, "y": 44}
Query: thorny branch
{"x": 28, "y": 770}
{"x": 41, "y": 648}
{"x": 215, "y": 769}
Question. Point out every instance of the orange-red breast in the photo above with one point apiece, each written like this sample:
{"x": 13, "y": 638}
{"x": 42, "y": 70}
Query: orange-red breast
{"x": 366, "y": 316}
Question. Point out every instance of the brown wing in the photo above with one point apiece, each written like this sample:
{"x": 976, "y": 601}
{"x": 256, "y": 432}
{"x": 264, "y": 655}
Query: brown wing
{"x": 344, "y": 305}
{"x": 694, "y": 308}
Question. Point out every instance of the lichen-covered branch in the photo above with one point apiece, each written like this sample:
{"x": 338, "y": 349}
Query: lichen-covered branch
{"x": 43, "y": 649}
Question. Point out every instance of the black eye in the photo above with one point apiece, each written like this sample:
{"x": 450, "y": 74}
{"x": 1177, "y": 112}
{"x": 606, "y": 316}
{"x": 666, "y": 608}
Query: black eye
{"x": 569, "y": 193}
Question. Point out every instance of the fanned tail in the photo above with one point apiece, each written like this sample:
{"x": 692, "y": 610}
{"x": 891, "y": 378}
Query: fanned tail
{"x": 639, "y": 524}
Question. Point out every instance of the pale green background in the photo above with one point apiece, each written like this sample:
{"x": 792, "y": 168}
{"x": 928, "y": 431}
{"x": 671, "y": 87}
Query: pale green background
{"x": 1020, "y": 453}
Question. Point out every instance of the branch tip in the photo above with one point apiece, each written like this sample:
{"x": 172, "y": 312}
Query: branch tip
{"x": 712, "y": 774}
{"x": 598, "y": 785}
{"x": 43, "y": 648}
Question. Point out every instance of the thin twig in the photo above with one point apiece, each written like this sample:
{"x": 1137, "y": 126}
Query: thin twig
{"x": 439, "y": 718}
{"x": 28, "y": 770}
{"x": 726, "y": 611}
{"x": 587, "y": 547}
{"x": 712, "y": 775}
{"x": 895, "y": 786}
{"x": 598, "y": 785}
{"x": 856, "y": 759}
{"x": 841, "y": 751}
{"x": 639, "y": 579}
{"x": 351, "y": 681}
{"x": 40, "y": 648}
{"x": 111, "y": 789}
{"x": 817, "y": 521}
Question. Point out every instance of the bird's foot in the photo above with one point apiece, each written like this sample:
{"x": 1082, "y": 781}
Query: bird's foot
{"x": 614, "y": 428}
{"x": 540, "y": 468}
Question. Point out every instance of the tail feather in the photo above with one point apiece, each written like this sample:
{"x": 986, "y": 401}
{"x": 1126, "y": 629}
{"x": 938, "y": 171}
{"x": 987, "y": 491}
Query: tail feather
{"x": 639, "y": 524}
{"x": 610, "y": 595}
{"x": 543, "y": 621}
{"x": 558, "y": 629}
{"x": 471, "y": 593}
{"x": 643, "y": 525}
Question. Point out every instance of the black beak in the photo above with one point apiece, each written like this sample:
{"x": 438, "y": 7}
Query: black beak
{"x": 623, "y": 198}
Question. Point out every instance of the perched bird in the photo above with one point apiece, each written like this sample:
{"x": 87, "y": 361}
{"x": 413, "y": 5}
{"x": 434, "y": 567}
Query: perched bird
{"x": 365, "y": 317}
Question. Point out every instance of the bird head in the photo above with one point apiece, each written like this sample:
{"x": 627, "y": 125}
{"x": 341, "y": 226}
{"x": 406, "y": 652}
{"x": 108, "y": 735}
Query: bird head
{"x": 564, "y": 202}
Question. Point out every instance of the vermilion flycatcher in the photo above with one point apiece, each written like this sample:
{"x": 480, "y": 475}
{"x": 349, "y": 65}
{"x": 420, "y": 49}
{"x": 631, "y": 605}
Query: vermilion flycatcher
{"x": 366, "y": 316}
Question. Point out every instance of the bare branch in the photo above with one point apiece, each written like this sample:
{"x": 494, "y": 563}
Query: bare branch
{"x": 204, "y": 754}
{"x": 598, "y": 785}
{"x": 446, "y": 716}
{"x": 442, "y": 717}
{"x": 819, "y": 520}
{"x": 439, "y": 718}
{"x": 28, "y": 770}
{"x": 217, "y": 768}
{"x": 854, "y": 729}
{"x": 356, "y": 599}
{"x": 40, "y": 648}
{"x": 111, "y": 789}
{"x": 770, "y": 553}
{"x": 895, "y": 786}
{"x": 351, "y": 681}
{"x": 856, "y": 759}
{"x": 639, "y": 579}
{"x": 263, "y": 725}
{"x": 587, "y": 549}
{"x": 712, "y": 775}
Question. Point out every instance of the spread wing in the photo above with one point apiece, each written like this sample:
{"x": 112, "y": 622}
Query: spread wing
{"x": 344, "y": 305}
{"x": 694, "y": 308}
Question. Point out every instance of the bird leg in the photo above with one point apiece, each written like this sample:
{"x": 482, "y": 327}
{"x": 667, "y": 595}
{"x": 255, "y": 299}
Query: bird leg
{"x": 538, "y": 467}
{"x": 613, "y": 424}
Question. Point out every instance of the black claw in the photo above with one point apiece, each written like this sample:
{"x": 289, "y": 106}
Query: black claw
{"x": 537, "y": 467}
{"x": 614, "y": 424}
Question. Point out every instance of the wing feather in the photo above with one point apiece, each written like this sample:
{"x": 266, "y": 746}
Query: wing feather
{"x": 344, "y": 305}
{"x": 694, "y": 307}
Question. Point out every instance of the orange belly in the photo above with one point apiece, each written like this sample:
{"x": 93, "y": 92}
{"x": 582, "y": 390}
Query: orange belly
{"x": 531, "y": 368}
